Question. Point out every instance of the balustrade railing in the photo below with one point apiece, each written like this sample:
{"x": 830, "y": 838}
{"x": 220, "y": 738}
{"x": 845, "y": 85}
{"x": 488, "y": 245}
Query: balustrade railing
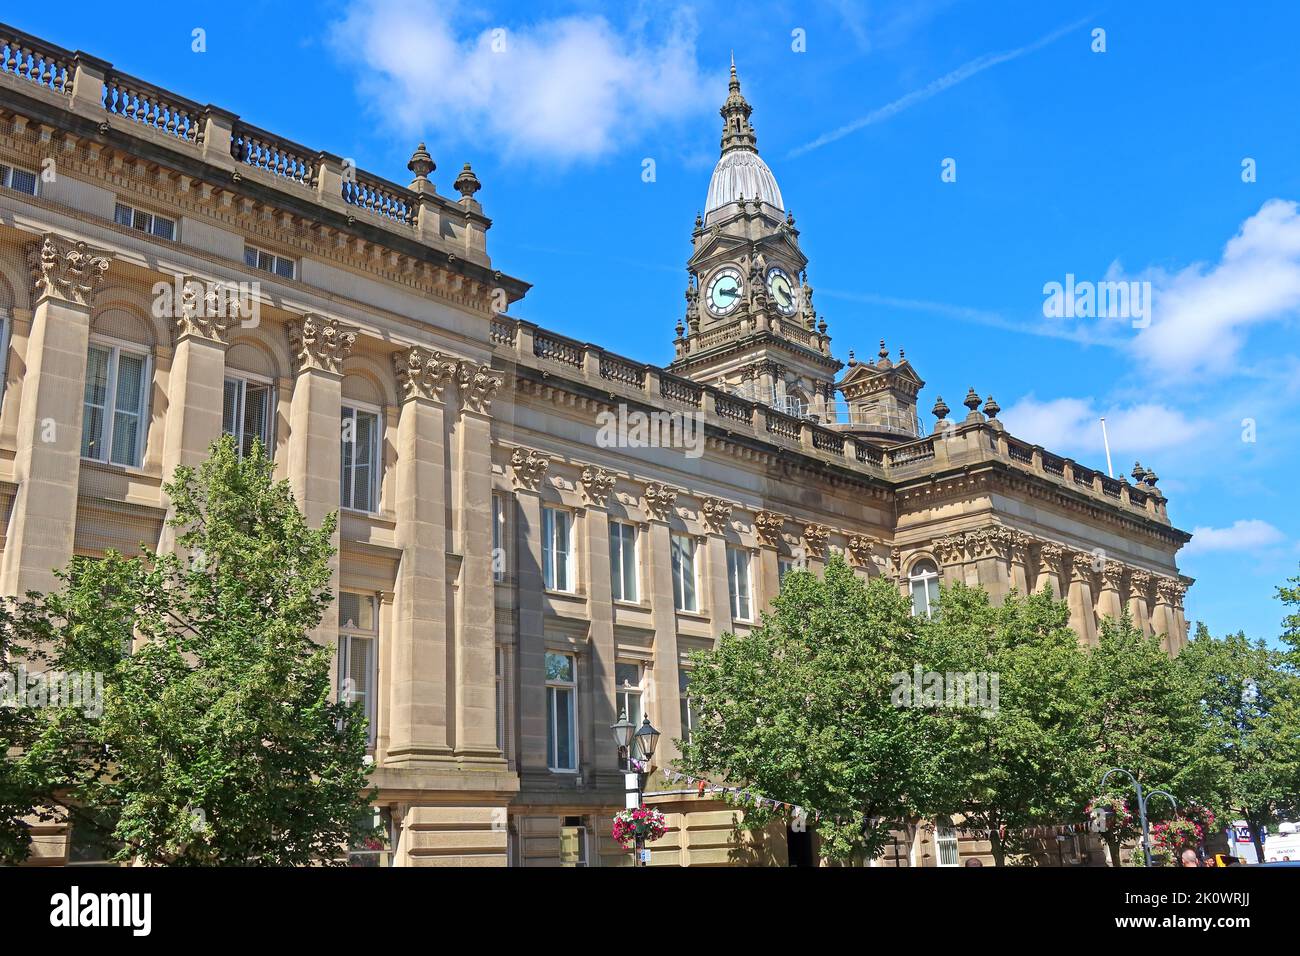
{"x": 146, "y": 104}
{"x": 617, "y": 369}
{"x": 279, "y": 157}
{"x": 381, "y": 198}
{"x": 27, "y": 58}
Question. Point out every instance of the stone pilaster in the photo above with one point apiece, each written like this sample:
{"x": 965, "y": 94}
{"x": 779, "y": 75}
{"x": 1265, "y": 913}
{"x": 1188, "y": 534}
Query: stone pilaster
{"x": 1108, "y": 600}
{"x": 1050, "y": 560}
{"x": 47, "y": 461}
{"x": 474, "y": 650}
{"x": 529, "y": 471}
{"x": 417, "y": 683}
{"x": 1139, "y": 600}
{"x": 600, "y": 752}
{"x": 319, "y": 346}
{"x": 659, "y": 503}
{"x": 767, "y": 528}
{"x": 1169, "y": 594}
{"x": 1018, "y": 558}
{"x": 1083, "y": 615}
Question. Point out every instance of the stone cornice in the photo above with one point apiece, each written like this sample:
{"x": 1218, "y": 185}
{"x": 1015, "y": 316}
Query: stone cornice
{"x": 66, "y": 269}
{"x": 320, "y": 344}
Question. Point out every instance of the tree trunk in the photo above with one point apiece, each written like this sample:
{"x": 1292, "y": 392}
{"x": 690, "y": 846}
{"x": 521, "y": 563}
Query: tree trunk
{"x": 1112, "y": 846}
{"x": 1256, "y": 837}
{"x": 999, "y": 850}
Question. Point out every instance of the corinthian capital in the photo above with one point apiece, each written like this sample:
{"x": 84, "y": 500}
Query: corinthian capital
{"x": 477, "y": 387}
{"x": 716, "y": 513}
{"x": 659, "y": 499}
{"x": 598, "y": 483}
{"x": 321, "y": 344}
{"x": 1170, "y": 591}
{"x": 1112, "y": 575}
{"x": 768, "y": 524}
{"x": 529, "y": 467}
{"x": 66, "y": 269}
{"x": 1140, "y": 582}
{"x": 422, "y": 373}
{"x": 815, "y": 537}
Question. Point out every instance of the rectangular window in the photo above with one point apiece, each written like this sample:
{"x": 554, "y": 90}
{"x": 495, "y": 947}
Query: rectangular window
{"x": 498, "y": 538}
{"x": 358, "y": 639}
{"x": 557, "y": 550}
{"x": 684, "y": 699}
{"x": 281, "y": 266}
{"x": 945, "y": 843}
{"x": 561, "y": 712}
{"x": 783, "y": 567}
{"x": 360, "y": 458}
{"x": 738, "y": 582}
{"x": 627, "y": 692}
{"x": 142, "y": 221}
{"x": 19, "y": 180}
{"x": 113, "y": 406}
{"x": 502, "y": 699}
{"x": 247, "y": 414}
{"x": 622, "y": 561}
{"x": 684, "y": 579}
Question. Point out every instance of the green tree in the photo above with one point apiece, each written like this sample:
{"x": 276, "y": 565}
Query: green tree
{"x": 800, "y": 709}
{"x": 1025, "y": 762}
{"x": 1250, "y": 704}
{"x": 1144, "y": 716}
{"x": 219, "y": 743}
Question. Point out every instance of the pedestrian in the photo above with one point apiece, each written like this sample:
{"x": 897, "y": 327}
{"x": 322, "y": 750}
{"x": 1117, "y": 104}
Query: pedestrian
{"x": 1190, "y": 858}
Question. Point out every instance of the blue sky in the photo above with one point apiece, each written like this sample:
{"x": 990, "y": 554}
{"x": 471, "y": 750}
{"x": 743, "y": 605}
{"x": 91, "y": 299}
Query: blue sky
{"x": 1125, "y": 163}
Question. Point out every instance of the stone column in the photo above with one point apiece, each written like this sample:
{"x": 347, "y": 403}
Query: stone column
{"x": 1165, "y": 619}
{"x": 1019, "y": 559}
{"x": 474, "y": 651}
{"x": 417, "y": 680}
{"x": 717, "y": 516}
{"x": 1139, "y": 607}
{"x": 196, "y": 385}
{"x": 1108, "y": 601}
{"x": 1083, "y": 615}
{"x": 602, "y": 753}
{"x": 319, "y": 346}
{"x": 767, "y": 527}
{"x": 1050, "y": 558}
{"x": 47, "y": 460}
{"x": 659, "y": 502}
{"x": 529, "y": 469}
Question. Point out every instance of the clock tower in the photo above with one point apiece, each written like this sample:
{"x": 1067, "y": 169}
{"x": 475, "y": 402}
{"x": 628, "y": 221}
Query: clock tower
{"x": 750, "y": 327}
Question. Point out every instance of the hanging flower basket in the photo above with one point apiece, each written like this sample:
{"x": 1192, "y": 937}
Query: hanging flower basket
{"x": 644, "y": 822}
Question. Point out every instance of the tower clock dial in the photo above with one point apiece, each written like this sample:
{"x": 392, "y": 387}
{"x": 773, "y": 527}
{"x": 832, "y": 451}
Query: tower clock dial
{"x": 782, "y": 290}
{"x": 723, "y": 293}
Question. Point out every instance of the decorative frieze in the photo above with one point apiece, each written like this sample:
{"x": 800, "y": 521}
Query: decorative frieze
{"x": 659, "y": 500}
{"x": 321, "y": 344}
{"x": 66, "y": 269}
{"x": 716, "y": 514}
{"x": 598, "y": 483}
{"x": 768, "y": 525}
{"x": 529, "y": 468}
{"x": 423, "y": 373}
{"x": 478, "y": 385}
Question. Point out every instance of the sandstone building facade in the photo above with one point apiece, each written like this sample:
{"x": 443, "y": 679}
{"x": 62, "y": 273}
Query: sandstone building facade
{"x": 508, "y": 580}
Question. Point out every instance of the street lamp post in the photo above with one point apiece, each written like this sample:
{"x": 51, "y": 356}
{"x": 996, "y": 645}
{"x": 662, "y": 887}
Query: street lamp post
{"x": 641, "y": 740}
{"x": 1142, "y": 807}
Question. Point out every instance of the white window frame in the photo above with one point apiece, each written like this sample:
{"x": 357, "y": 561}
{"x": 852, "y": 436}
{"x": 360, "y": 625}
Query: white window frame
{"x": 276, "y": 259}
{"x": 945, "y": 837}
{"x": 928, "y": 582}
{"x": 556, "y": 559}
{"x": 153, "y": 217}
{"x": 498, "y": 535}
{"x": 115, "y": 349}
{"x": 685, "y": 704}
{"x": 621, "y": 531}
{"x": 376, "y": 458}
{"x": 679, "y": 573}
{"x": 503, "y": 699}
{"x": 371, "y": 635}
{"x": 741, "y": 591}
{"x": 625, "y": 692}
{"x": 245, "y": 379}
{"x": 553, "y": 689}
{"x": 7, "y": 179}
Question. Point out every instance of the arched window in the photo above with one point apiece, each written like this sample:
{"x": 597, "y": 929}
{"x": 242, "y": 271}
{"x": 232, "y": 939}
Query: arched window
{"x": 924, "y": 582}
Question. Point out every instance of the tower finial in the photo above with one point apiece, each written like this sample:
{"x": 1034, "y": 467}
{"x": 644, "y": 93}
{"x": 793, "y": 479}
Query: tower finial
{"x": 736, "y": 131}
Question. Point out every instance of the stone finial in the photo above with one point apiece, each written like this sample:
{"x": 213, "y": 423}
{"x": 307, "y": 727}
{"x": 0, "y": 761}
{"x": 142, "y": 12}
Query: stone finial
{"x": 421, "y": 165}
{"x": 321, "y": 344}
{"x": 821, "y": 325}
{"x": 699, "y": 221}
{"x": 423, "y": 373}
{"x": 467, "y": 184}
{"x": 477, "y": 387}
{"x": 991, "y": 407}
{"x": 680, "y": 329}
{"x": 884, "y": 355}
{"x": 941, "y": 409}
{"x": 852, "y": 361}
{"x": 66, "y": 269}
{"x": 972, "y": 400}
{"x": 529, "y": 467}
{"x": 1138, "y": 472}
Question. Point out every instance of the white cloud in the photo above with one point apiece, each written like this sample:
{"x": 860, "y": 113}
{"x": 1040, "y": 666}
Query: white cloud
{"x": 1072, "y": 426}
{"x": 1245, "y": 535}
{"x": 566, "y": 88}
{"x": 1200, "y": 315}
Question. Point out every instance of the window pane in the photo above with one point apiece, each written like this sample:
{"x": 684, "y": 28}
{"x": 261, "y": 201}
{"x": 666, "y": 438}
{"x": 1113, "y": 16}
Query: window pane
{"x": 548, "y": 548}
{"x": 250, "y": 256}
{"x": 559, "y": 667}
{"x": 143, "y": 221}
{"x": 230, "y": 408}
{"x": 257, "y": 418}
{"x": 562, "y": 551}
{"x": 564, "y": 730}
{"x": 356, "y": 611}
{"x": 96, "y": 394}
{"x": 122, "y": 215}
{"x": 127, "y": 403}
{"x": 284, "y": 267}
{"x": 164, "y": 228}
{"x": 347, "y": 439}
{"x": 627, "y": 675}
{"x": 550, "y": 728}
{"x": 630, "y": 592}
{"x": 616, "y": 562}
{"x": 24, "y": 182}
{"x": 363, "y": 488}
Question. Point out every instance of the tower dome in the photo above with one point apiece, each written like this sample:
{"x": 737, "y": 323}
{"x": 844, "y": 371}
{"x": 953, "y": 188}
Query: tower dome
{"x": 741, "y": 173}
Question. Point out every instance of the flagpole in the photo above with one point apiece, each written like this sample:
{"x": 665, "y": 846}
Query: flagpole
{"x": 1106, "y": 441}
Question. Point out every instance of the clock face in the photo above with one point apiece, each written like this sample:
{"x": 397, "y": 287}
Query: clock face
{"x": 723, "y": 294}
{"x": 782, "y": 290}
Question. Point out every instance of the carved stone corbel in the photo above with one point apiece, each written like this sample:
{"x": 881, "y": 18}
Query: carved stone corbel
{"x": 815, "y": 537}
{"x": 716, "y": 514}
{"x": 423, "y": 373}
{"x": 66, "y": 269}
{"x": 597, "y": 482}
{"x": 478, "y": 385}
{"x": 321, "y": 344}
{"x": 659, "y": 500}
{"x": 529, "y": 468}
{"x": 768, "y": 525}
